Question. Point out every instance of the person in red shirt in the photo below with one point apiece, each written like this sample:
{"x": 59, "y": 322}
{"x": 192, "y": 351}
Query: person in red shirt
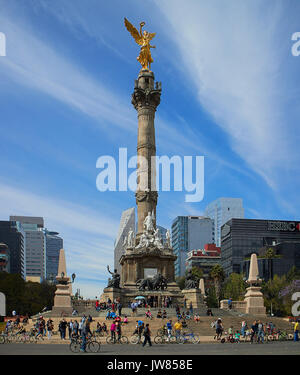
{"x": 113, "y": 331}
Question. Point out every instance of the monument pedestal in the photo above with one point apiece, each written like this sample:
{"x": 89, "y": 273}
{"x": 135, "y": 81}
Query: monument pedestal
{"x": 195, "y": 297}
{"x": 112, "y": 293}
{"x": 254, "y": 301}
{"x": 62, "y": 298}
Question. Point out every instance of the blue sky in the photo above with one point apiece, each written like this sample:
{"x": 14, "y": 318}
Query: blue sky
{"x": 230, "y": 92}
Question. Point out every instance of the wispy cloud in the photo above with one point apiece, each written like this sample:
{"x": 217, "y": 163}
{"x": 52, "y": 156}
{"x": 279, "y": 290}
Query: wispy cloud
{"x": 37, "y": 65}
{"x": 232, "y": 55}
{"x": 88, "y": 235}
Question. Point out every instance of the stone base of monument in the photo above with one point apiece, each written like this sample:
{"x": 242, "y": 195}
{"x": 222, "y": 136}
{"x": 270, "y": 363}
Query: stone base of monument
{"x": 195, "y": 297}
{"x": 112, "y": 293}
{"x": 61, "y": 310}
{"x": 254, "y": 301}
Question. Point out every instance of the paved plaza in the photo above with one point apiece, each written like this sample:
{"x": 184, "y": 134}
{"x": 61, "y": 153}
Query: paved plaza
{"x": 273, "y": 348}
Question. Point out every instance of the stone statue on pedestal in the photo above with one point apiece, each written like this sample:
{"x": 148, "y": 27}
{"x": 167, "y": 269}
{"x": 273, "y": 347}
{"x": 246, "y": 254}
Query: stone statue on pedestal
{"x": 148, "y": 223}
{"x": 157, "y": 238}
{"x": 113, "y": 282}
{"x": 130, "y": 238}
{"x": 190, "y": 282}
{"x": 168, "y": 239}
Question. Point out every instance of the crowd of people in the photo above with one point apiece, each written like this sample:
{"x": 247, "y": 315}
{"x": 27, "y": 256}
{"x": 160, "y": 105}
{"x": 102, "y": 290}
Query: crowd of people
{"x": 256, "y": 331}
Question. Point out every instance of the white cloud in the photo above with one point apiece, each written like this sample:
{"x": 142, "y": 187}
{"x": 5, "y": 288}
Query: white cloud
{"x": 88, "y": 235}
{"x": 32, "y": 63}
{"x": 231, "y": 54}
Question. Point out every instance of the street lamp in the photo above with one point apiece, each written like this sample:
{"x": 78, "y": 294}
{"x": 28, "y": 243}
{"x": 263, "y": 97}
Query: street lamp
{"x": 65, "y": 282}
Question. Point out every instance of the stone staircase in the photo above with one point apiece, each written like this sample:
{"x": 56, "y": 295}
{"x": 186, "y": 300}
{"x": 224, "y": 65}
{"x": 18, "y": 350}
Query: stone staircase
{"x": 202, "y": 328}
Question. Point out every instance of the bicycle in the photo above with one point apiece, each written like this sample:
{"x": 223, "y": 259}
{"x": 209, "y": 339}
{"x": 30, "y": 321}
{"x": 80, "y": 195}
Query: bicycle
{"x": 25, "y": 337}
{"x": 92, "y": 346}
{"x": 136, "y": 339}
{"x": 165, "y": 339}
{"x": 121, "y": 340}
{"x": 188, "y": 337}
{"x": 162, "y": 331}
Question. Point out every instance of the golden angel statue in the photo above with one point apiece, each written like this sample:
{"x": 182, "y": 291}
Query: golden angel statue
{"x": 143, "y": 39}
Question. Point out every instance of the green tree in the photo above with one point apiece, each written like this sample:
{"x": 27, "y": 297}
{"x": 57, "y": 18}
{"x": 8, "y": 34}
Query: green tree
{"x": 211, "y": 298}
{"x": 234, "y": 287}
{"x": 180, "y": 280}
{"x": 293, "y": 274}
{"x": 25, "y": 297}
{"x": 218, "y": 275}
{"x": 197, "y": 273}
{"x": 272, "y": 300}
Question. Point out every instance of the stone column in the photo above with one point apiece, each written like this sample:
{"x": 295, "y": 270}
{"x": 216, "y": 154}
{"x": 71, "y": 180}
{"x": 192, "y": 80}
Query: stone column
{"x": 145, "y": 100}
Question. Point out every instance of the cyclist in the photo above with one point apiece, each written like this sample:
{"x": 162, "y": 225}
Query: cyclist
{"x": 118, "y": 331}
{"x": 254, "y": 329}
{"x": 169, "y": 328}
{"x": 113, "y": 331}
{"x": 260, "y": 332}
{"x": 84, "y": 332}
{"x": 296, "y": 330}
{"x": 178, "y": 328}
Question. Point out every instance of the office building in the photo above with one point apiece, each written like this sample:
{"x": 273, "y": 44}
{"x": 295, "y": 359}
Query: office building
{"x": 189, "y": 233}
{"x": 242, "y": 237}
{"x": 163, "y": 232}
{"x": 13, "y": 236}
{"x": 4, "y": 258}
{"x": 127, "y": 222}
{"x": 53, "y": 245}
{"x": 205, "y": 258}
{"x": 220, "y": 211}
{"x": 35, "y": 245}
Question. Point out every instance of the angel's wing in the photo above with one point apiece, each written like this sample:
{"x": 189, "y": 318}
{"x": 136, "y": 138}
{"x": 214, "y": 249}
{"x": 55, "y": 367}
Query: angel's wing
{"x": 133, "y": 31}
{"x": 151, "y": 35}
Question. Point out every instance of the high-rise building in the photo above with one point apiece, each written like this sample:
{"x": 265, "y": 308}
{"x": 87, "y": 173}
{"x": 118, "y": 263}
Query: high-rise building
{"x": 13, "y": 235}
{"x": 242, "y": 237}
{"x": 127, "y": 222}
{"x": 4, "y": 258}
{"x": 205, "y": 259}
{"x": 220, "y": 211}
{"x": 35, "y": 245}
{"x": 189, "y": 233}
{"x": 53, "y": 245}
{"x": 163, "y": 232}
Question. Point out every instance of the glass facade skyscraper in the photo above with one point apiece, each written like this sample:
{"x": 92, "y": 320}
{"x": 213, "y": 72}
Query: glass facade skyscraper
{"x": 53, "y": 245}
{"x": 35, "y": 245}
{"x": 127, "y": 221}
{"x": 13, "y": 235}
{"x": 221, "y": 210}
{"x": 189, "y": 233}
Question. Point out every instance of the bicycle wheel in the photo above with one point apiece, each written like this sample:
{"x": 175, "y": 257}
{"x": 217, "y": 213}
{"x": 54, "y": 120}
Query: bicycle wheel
{"x": 158, "y": 340}
{"x": 160, "y": 332}
{"x": 195, "y": 339}
{"x": 135, "y": 339}
{"x": 93, "y": 346}
{"x": 32, "y": 339}
{"x": 173, "y": 340}
{"x": 124, "y": 340}
{"x": 180, "y": 339}
{"x": 75, "y": 346}
{"x": 110, "y": 340}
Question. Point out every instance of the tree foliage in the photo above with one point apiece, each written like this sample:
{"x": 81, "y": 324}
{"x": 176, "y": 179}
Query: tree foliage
{"x": 234, "y": 287}
{"x": 25, "y": 297}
